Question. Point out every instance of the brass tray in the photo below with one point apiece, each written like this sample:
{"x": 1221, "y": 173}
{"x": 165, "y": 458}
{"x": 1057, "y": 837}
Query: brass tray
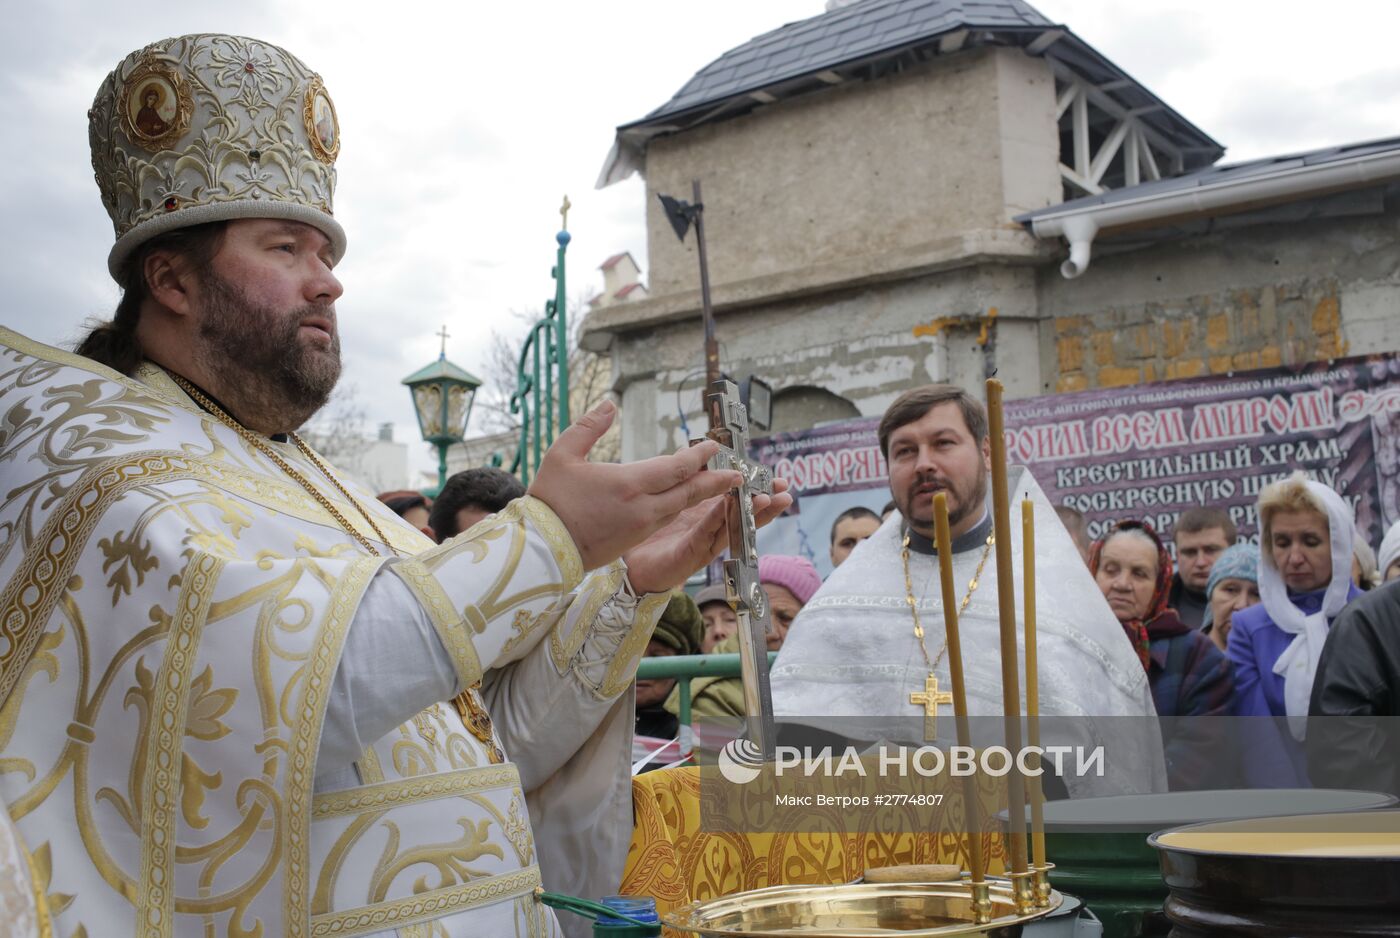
{"x": 855, "y": 910}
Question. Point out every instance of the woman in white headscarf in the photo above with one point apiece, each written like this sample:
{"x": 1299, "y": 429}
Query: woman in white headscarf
{"x": 1389, "y": 560}
{"x": 1305, "y": 552}
{"x": 1364, "y": 572}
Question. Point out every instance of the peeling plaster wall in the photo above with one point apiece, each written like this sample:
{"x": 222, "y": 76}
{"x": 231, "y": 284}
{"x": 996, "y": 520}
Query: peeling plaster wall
{"x": 1249, "y": 298}
{"x": 859, "y": 345}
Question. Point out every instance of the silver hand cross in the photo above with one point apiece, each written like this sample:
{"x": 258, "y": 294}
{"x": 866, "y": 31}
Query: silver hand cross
{"x": 729, "y": 427}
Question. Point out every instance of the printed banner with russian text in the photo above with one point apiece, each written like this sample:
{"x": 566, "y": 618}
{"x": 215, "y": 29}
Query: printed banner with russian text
{"x": 1146, "y": 452}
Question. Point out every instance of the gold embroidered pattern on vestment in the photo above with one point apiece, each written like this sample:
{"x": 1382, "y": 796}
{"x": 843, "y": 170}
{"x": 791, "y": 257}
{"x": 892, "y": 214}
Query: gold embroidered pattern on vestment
{"x": 526, "y": 623}
{"x": 602, "y": 585}
{"x": 386, "y": 795}
{"x": 369, "y": 768}
{"x": 425, "y": 906}
{"x": 447, "y": 622}
{"x": 316, "y": 682}
{"x": 517, "y": 830}
{"x": 29, "y": 597}
{"x": 265, "y": 447}
{"x": 156, "y": 905}
{"x": 623, "y": 667}
{"x": 557, "y": 536}
{"x": 40, "y": 873}
{"x": 277, "y": 598}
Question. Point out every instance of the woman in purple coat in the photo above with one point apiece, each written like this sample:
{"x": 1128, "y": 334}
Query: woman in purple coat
{"x": 1304, "y": 581}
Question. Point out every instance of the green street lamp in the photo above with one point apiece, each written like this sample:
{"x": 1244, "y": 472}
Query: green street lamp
{"x": 442, "y": 397}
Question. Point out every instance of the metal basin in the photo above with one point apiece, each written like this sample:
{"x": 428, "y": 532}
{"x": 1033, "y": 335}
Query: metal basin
{"x": 855, "y": 910}
{"x": 1309, "y": 876}
{"x": 1100, "y": 850}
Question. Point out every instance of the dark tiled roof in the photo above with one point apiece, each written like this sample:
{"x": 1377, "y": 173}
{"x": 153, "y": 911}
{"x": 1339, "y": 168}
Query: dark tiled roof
{"x": 870, "y": 38}
{"x": 1223, "y": 174}
{"x": 861, "y": 29}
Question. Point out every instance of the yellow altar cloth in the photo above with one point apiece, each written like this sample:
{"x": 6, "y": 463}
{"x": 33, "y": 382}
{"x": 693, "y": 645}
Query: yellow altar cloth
{"x": 672, "y": 859}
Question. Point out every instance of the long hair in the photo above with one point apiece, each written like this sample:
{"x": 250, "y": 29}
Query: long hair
{"x": 114, "y": 343}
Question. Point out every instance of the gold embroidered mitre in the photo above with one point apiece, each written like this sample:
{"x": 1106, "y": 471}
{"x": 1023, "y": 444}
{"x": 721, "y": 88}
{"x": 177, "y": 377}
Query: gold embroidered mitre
{"x": 207, "y": 128}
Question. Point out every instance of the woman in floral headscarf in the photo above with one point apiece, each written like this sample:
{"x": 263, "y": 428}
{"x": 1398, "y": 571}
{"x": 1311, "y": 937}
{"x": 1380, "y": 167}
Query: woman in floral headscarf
{"x": 1188, "y": 675}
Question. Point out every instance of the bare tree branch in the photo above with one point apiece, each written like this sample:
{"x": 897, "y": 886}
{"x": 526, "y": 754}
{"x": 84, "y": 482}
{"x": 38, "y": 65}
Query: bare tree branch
{"x": 590, "y": 378}
{"x": 339, "y": 432}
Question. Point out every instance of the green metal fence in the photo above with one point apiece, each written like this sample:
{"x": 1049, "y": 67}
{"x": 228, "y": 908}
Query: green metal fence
{"x": 541, "y": 395}
{"x": 685, "y": 668}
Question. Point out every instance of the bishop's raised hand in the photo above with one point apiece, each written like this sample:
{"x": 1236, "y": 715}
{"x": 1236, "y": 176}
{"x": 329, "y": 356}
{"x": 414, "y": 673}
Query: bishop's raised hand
{"x": 610, "y": 508}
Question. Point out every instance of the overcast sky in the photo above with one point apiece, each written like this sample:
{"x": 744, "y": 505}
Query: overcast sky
{"x": 464, "y": 125}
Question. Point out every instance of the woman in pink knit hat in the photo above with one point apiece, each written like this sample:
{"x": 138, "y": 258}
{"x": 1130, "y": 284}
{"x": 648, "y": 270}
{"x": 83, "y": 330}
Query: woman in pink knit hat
{"x": 789, "y": 583}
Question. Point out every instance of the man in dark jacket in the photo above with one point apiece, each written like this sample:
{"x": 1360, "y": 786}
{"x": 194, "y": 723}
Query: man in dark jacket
{"x": 677, "y": 633}
{"x": 1358, "y": 687}
{"x": 1201, "y": 535}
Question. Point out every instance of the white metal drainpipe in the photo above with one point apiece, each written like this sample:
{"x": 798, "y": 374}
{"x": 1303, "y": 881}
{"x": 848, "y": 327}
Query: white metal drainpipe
{"x": 1080, "y": 227}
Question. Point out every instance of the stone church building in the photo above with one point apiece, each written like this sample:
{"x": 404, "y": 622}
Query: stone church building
{"x": 905, "y": 191}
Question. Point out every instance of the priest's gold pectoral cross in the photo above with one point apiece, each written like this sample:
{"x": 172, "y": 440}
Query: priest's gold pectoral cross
{"x": 930, "y": 699}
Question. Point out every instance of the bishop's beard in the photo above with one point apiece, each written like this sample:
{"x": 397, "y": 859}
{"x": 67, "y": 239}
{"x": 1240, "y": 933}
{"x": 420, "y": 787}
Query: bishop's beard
{"x": 264, "y": 372}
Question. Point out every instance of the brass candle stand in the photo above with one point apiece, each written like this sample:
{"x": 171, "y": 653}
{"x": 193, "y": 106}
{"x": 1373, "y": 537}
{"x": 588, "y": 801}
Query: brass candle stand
{"x": 1043, "y": 889}
{"x": 862, "y": 910}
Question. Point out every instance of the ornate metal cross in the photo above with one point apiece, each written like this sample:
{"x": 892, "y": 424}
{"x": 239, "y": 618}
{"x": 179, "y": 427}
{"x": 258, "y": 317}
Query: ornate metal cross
{"x": 931, "y": 700}
{"x": 729, "y": 427}
{"x": 442, "y": 334}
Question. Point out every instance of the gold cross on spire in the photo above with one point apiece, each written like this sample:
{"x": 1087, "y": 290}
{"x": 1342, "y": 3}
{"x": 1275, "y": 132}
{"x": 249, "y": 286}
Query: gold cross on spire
{"x": 442, "y": 334}
{"x": 564, "y": 212}
{"x": 930, "y": 699}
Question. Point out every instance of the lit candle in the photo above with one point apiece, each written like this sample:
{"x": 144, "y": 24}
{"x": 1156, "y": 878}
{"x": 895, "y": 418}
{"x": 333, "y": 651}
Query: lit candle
{"x": 1006, "y": 596}
{"x": 1037, "y": 795}
{"x": 943, "y": 538}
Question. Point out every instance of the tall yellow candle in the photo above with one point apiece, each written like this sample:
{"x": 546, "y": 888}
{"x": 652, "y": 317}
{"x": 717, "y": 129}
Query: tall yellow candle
{"x": 1037, "y": 794}
{"x": 1006, "y": 597}
{"x": 943, "y": 539}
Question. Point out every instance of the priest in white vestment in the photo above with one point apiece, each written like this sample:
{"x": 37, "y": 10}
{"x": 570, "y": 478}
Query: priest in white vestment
{"x": 852, "y": 653}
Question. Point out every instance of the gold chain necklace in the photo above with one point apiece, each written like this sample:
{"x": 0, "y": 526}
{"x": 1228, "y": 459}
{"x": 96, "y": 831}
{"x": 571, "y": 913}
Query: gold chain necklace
{"x": 914, "y": 603}
{"x": 930, "y": 698}
{"x": 261, "y": 446}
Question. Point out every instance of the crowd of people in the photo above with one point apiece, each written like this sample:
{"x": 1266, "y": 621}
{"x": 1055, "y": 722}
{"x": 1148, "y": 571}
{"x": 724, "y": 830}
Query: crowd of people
{"x": 1225, "y": 628}
{"x": 1222, "y": 626}
{"x": 1267, "y": 630}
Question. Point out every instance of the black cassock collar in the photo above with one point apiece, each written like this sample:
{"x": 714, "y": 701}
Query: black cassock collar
{"x": 975, "y": 537}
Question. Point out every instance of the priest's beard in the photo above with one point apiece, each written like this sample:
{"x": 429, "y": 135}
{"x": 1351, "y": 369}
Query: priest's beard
{"x": 265, "y": 373}
{"x": 966, "y": 498}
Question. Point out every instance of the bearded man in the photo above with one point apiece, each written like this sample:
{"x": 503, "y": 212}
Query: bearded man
{"x": 854, "y": 656}
{"x": 238, "y": 695}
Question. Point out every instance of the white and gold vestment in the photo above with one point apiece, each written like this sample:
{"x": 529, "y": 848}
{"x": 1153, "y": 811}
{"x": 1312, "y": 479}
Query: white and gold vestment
{"x": 851, "y": 661}
{"x": 174, "y": 614}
